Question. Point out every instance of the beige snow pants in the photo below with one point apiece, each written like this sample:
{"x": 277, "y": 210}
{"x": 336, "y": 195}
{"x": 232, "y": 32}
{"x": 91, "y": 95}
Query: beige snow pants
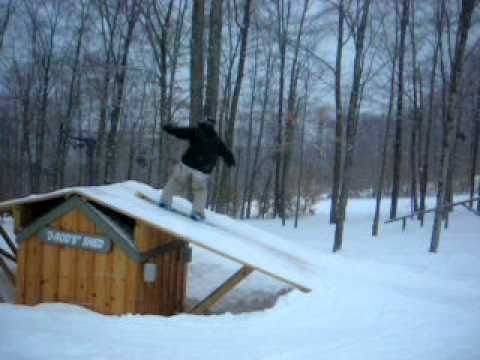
{"x": 178, "y": 183}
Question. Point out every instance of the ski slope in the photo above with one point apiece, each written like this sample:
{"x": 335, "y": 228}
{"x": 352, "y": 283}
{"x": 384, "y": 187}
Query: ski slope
{"x": 384, "y": 298}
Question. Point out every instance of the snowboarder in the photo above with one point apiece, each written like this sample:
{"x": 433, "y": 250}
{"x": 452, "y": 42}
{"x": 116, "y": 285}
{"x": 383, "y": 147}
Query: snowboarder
{"x": 197, "y": 163}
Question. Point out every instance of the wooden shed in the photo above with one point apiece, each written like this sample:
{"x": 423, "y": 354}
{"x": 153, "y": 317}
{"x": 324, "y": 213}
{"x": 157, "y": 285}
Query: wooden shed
{"x": 112, "y": 252}
{"x": 73, "y": 251}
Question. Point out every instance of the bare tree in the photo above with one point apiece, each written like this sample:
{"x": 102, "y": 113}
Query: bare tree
{"x": 250, "y": 129}
{"x": 4, "y": 21}
{"x": 302, "y": 142}
{"x": 44, "y": 20}
{"x": 352, "y": 121}
{"x": 230, "y": 126}
{"x": 258, "y": 146}
{"x": 218, "y": 193}
{"x": 213, "y": 58}
{"x": 339, "y": 118}
{"x": 468, "y": 7}
{"x": 428, "y": 134}
{"x": 397, "y": 159}
{"x": 417, "y": 116}
{"x": 109, "y": 28}
{"x": 196, "y": 62}
{"x": 132, "y": 11}
{"x": 384, "y": 155}
{"x": 66, "y": 121}
{"x": 157, "y": 25}
{"x": 283, "y": 18}
{"x": 291, "y": 113}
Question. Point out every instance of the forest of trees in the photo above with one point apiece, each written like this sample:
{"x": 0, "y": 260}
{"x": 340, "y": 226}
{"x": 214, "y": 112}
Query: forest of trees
{"x": 317, "y": 98}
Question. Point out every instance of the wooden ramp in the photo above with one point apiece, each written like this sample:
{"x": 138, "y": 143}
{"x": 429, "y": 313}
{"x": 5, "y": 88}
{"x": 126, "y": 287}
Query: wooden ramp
{"x": 252, "y": 248}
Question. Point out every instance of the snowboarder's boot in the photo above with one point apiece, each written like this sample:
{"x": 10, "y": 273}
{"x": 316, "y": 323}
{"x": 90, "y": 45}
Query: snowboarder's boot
{"x": 197, "y": 216}
{"x": 164, "y": 205}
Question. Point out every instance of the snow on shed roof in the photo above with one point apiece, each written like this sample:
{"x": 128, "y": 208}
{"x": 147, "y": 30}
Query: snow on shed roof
{"x": 225, "y": 236}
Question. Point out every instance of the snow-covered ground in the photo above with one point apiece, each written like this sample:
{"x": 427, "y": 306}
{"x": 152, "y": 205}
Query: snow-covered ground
{"x": 379, "y": 298}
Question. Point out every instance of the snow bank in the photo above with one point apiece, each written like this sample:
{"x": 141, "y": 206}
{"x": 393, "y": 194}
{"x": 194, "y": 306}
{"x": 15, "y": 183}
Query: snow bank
{"x": 384, "y": 298}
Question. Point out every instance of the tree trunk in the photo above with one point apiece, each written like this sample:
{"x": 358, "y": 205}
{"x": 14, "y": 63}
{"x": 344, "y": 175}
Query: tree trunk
{"x": 132, "y": 151}
{"x": 26, "y": 148}
{"x": 264, "y": 198}
{"x": 397, "y": 160}
{"x": 196, "y": 62}
{"x": 165, "y": 155}
{"x": 451, "y": 125}
{"x": 230, "y": 126}
{"x": 258, "y": 146}
{"x": 352, "y": 120}
{"x": 302, "y": 143}
{"x": 66, "y": 122}
{"x": 158, "y": 28}
{"x": 120, "y": 77}
{"x": 417, "y": 117}
{"x": 151, "y": 160}
{"x": 339, "y": 119}
{"x": 282, "y": 29}
{"x": 381, "y": 177}
{"x": 109, "y": 43}
{"x": 102, "y": 123}
{"x": 136, "y": 132}
{"x": 218, "y": 192}
{"x": 474, "y": 146}
{"x": 453, "y": 163}
{"x": 250, "y": 133}
{"x": 164, "y": 106}
{"x": 291, "y": 115}
{"x": 428, "y": 134}
{"x": 4, "y": 22}
{"x": 42, "y": 118}
{"x": 213, "y": 58}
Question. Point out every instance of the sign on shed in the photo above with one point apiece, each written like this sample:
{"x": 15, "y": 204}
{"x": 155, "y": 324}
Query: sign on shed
{"x": 80, "y": 241}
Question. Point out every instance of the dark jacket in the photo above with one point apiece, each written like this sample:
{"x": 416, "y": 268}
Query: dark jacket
{"x": 205, "y": 147}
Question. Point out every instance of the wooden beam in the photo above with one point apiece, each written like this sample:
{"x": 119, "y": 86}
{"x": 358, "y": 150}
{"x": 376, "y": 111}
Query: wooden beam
{"x": 104, "y": 223}
{"x": 8, "y": 240}
{"x": 162, "y": 250}
{"x": 7, "y": 271}
{"x": 8, "y": 255}
{"x": 48, "y": 218}
{"x": 219, "y": 293}
{"x": 411, "y": 215}
{"x": 471, "y": 210}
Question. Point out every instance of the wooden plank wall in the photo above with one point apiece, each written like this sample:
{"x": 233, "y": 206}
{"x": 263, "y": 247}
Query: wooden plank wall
{"x": 49, "y": 273}
{"x": 166, "y": 296}
{"x": 107, "y": 283}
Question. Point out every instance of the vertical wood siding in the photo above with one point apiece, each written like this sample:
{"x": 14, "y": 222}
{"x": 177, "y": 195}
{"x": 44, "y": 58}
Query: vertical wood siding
{"x": 167, "y": 295}
{"x": 107, "y": 283}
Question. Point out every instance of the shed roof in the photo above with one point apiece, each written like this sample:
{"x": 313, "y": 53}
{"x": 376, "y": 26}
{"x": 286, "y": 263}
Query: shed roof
{"x": 222, "y": 235}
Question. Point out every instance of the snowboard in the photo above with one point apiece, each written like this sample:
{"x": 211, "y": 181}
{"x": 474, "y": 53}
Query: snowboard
{"x": 171, "y": 209}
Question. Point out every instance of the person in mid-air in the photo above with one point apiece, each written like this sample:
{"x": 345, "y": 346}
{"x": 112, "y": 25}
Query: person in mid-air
{"x": 197, "y": 164}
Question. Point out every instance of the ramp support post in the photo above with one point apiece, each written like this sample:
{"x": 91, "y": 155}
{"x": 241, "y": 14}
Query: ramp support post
{"x": 10, "y": 243}
{"x": 7, "y": 271}
{"x": 219, "y": 293}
